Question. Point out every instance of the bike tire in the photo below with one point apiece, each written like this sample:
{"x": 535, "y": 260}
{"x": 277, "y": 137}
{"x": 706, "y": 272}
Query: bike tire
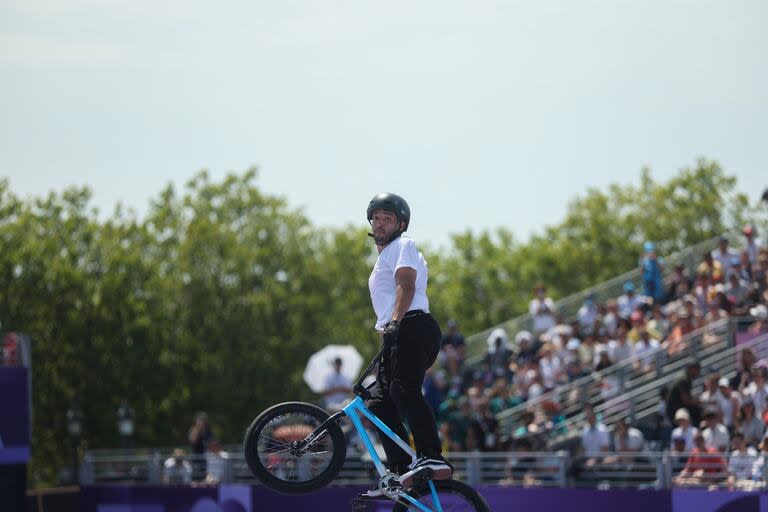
{"x": 454, "y": 496}
{"x": 266, "y": 451}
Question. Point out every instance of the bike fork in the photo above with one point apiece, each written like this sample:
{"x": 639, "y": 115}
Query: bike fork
{"x": 316, "y": 434}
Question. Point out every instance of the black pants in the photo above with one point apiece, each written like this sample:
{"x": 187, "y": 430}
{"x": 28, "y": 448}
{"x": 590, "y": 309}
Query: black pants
{"x": 397, "y": 392}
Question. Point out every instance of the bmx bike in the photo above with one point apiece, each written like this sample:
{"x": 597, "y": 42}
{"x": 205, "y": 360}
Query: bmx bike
{"x": 297, "y": 448}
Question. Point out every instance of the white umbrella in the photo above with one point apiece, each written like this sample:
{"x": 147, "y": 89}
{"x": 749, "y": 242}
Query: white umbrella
{"x": 320, "y": 365}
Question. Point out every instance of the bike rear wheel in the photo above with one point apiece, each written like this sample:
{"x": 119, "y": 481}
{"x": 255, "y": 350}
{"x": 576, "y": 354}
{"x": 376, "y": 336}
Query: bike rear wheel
{"x": 454, "y": 496}
{"x": 270, "y": 448}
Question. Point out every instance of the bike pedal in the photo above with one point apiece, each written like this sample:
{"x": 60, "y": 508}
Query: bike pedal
{"x": 424, "y": 476}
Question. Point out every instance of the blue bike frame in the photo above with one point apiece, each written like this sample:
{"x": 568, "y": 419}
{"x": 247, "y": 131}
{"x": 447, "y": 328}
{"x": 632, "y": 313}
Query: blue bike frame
{"x": 353, "y": 411}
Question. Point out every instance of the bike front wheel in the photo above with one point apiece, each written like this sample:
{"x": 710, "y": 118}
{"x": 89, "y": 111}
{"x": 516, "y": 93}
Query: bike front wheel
{"x": 454, "y": 496}
{"x": 270, "y": 448}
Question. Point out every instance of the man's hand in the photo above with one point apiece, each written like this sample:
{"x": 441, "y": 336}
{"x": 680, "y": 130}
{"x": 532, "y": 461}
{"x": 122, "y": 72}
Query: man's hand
{"x": 390, "y": 333}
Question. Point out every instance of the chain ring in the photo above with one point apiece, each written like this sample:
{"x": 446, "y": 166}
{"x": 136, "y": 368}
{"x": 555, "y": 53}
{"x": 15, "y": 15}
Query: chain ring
{"x": 390, "y": 485}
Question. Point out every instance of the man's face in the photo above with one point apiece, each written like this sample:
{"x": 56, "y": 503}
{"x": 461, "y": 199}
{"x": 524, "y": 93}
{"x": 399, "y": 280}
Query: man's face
{"x": 384, "y": 224}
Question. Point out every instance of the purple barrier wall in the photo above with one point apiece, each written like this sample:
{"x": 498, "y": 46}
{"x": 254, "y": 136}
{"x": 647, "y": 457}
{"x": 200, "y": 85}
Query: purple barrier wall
{"x": 14, "y": 415}
{"x": 242, "y": 498}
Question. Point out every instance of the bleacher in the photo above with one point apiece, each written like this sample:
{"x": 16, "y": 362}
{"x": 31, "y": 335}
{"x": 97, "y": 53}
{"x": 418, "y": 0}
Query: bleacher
{"x": 622, "y": 390}
{"x": 610, "y": 289}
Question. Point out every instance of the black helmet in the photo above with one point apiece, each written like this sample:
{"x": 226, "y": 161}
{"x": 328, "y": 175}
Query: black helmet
{"x": 391, "y": 203}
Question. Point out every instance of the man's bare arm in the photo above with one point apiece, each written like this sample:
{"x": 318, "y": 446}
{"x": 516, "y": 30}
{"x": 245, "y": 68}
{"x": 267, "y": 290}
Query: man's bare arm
{"x": 405, "y": 282}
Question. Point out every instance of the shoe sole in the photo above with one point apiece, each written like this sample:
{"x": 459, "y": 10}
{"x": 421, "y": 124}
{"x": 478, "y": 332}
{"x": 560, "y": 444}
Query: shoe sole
{"x": 424, "y": 472}
{"x": 365, "y": 497}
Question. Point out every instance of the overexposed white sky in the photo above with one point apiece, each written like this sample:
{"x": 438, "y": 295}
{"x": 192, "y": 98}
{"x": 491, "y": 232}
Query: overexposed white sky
{"x": 481, "y": 114}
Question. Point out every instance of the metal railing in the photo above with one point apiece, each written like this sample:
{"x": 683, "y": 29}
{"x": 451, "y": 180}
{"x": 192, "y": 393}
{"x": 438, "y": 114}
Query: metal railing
{"x": 476, "y": 344}
{"x": 640, "y": 469}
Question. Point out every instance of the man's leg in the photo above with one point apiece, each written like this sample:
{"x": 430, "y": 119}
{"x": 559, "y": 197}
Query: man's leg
{"x": 417, "y": 348}
{"x": 384, "y": 408}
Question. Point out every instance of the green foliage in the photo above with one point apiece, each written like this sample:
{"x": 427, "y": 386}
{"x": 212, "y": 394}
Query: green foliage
{"x": 214, "y": 302}
{"x": 217, "y": 298}
{"x": 488, "y": 278}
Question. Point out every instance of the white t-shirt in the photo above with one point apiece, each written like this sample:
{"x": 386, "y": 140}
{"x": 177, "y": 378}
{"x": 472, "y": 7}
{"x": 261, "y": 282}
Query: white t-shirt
{"x": 725, "y": 260}
{"x": 177, "y": 473}
{"x": 634, "y": 441}
{"x": 550, "y": 370}
{"x": 717, "y": 437}
{"x": 618, "y": 351}
{"x": 758, "y": 396}
{"x": 740, "y": 464}
{"x": 595, "y": 439}
{"x": 535, "y": 391}
{"x": 688, "y": 434}
{"x": 336, "y": 380}
{"x": 216, "y": 465}
{"x": 542, "y": 320}
{"x": 587, "y": 315}
{"x": 727, "y": 405}
{"x": 399, "y": 253}
{"x": 627, "y": 304}
{"x": 645, "y": 351}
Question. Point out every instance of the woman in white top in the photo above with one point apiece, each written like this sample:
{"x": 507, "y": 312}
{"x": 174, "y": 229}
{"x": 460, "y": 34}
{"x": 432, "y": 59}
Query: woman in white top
{"x": 729, "y": 403}
{"x": 750, "y": 425}
{"x": 684, "y": 429}
{"x": 757, "y": 391}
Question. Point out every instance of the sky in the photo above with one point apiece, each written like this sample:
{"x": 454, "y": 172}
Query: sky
{"x": 481, "y": 114}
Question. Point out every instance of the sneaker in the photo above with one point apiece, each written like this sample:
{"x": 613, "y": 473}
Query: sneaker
{"x": 436, "y": 469}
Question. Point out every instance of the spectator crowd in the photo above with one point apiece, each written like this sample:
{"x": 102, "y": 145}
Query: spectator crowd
{"x": 207, "y": 463}
{"x": 730, "y": 414}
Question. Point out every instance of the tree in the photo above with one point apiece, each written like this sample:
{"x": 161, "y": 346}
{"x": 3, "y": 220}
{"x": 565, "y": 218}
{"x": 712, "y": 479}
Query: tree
{"x": 487, "y": 278}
